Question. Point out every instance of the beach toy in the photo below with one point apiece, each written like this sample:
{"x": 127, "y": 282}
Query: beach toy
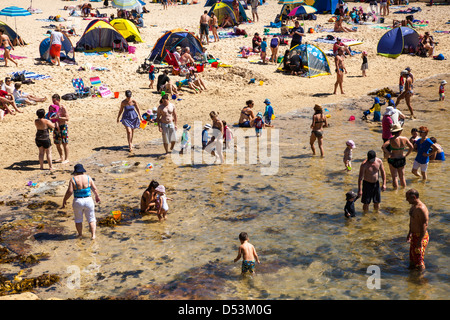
{"x": 163, "y": 93}
{"x": 149, "y": 166}
{"x": 328, "y": 115}
{"x": 352, "y": 118}
{"x": 174, "y": 96}
{"x": 143, "y": 124}
{"x": 261, "y": 82}
{"x": 215, "y": 64}
{"x": 252, "y": 80}
{"x": 116, "y": 95}
{"x": 199, "y": 67}
{"x": 117, "y": 215}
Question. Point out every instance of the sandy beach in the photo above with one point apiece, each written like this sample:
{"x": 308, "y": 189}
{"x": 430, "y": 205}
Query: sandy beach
{"x": 93, "y": 124}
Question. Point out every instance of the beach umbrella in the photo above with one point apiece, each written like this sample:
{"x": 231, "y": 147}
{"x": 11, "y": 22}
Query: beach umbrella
{"x": 290, "y": 1}
{"x": 301, "y": 10}
{"x": 14, "y": 12}
{"x": 125, "y": 4}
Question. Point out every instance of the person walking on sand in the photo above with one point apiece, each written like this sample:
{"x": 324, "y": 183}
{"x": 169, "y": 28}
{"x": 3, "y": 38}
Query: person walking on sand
{"x": 131, "y": 118}
{"x": 215, "y": 145}
{"x": 417, "y": 237}
{"x": 369, "y": 181}
{"x": 8, "y": 46}
{"x": 167, "y": 122}
{"x": 82, "y": 186}
{"x": 56, "y": 40}
{"x": 61, "y": 136}
{"x": 248, "y": 253}
{"x": 340, "y": 69}
{"x": 42, "y": 139}
{"x": 319, "y": 121}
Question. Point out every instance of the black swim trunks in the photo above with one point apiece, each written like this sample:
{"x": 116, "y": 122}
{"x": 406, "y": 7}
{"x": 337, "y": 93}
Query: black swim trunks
{"x": 204, "y": 28}
{"x": 371, "y": 191}
{"x": 397, "y": 162}
{"x": 43, "y": 143}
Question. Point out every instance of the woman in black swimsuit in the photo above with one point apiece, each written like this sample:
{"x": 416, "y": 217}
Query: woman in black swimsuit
{"x": 319, "y": 121}
{"x": 397, "y": 160}
{"x": 43, "y": 138}
{"x": 247, "y": 115}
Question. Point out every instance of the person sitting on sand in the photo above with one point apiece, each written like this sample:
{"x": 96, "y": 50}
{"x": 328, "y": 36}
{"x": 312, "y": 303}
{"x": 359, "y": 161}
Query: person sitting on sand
{"x": 256, "y": 42}
{"x": 402, "y": 23}
{"x": 295, "y": 63}
{"x": 338, "y": 27}
{"x": 164, "y": 84}
{"x": 247, "y": 114}
{"x": 186, "y": 57}
{"x": 428, "y": 44}
{"x": 23, "y": 97}
{"x": 8, "y": 99}
{"x": 227, "y": 21}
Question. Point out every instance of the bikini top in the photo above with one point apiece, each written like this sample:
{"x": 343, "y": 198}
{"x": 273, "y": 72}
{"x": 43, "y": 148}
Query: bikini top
{"x": 82, "y": 193}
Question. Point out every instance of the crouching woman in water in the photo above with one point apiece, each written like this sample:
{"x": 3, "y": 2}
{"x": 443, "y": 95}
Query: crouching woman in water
{"x": 148, "y": 199}
{"x": 81, "y": 186}
{"x": 319, "y": 121}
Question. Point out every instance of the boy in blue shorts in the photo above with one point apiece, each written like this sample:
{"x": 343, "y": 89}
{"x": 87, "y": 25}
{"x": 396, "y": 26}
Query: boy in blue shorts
{"x": 248, "y": 253}
{"x": 151, "y": 75}
{"x": 264, "y": 50}
{"x": 268, "y": 113}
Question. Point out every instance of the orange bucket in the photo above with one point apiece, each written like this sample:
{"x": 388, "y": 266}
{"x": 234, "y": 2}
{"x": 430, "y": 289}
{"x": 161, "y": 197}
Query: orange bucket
{"x": 143, "y": 124}
{"x": 116, "y": 95}
{"x": 116, "y": 214}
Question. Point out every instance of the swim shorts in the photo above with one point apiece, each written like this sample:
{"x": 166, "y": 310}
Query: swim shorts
{"x": 204, "y": 28}
{"x": 151, "y": 75}
{"x": 365, "y": 66}
{"x": 423, "y": 166}
{"x": 169, "y": 134}
{"x": 397, "y": 162}
{"x": 84, "y": 207}
{"x": 61, "y": 135}
{"x": 371, "y": 191}
{"x": 417, "y": 254}
{"x": 55, "y": 50}
{"x": 43, "y": 143}
{"x": 248, "y": 266}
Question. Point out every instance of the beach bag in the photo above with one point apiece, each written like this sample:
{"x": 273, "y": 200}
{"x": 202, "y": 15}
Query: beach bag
{"x": 69, "y": 96}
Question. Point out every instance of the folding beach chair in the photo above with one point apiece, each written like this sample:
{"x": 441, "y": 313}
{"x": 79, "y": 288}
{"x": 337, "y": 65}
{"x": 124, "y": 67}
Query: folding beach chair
{"x": 80, "y": 89}
{"x": 102, "y": 89}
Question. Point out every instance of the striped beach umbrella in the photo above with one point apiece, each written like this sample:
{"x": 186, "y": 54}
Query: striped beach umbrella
{"x": 14, "y": 12}
{"x": 125, "y": 4}
{"x": 301, "y": 10}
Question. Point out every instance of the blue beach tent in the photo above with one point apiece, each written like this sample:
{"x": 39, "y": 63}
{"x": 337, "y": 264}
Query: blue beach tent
{"x": 170, "y": 40}
{"x": 324, "y": 6}
{"x": 394, "y": 42}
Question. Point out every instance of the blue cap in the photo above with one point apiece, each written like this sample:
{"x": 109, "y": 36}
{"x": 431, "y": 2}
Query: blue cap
{"x": 186, "y": 127}
{"x": 388, "y": 96}
{"x": 267, "y": 101}
{"x": 377, "y": 100}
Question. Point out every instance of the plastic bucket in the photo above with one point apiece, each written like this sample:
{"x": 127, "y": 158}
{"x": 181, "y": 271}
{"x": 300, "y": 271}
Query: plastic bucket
{"x": 116, "y": 95}
{"x": 116, "y": 214}
{"x": 215, "y": 64}
{"x": 199, "y": 67}
{"x": 143, "y": 124}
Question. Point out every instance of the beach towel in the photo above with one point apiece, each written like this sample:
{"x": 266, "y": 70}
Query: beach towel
{"x": 30, "y": 75}
{"x": 409, "y": 10}
{"x": 348, "y": 42}
{"x": 13, "y": 56}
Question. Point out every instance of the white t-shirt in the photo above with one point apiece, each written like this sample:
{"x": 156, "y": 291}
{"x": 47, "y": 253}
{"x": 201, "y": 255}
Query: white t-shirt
{"x": 395, "y": 116}
{"x": 58, "y": 37}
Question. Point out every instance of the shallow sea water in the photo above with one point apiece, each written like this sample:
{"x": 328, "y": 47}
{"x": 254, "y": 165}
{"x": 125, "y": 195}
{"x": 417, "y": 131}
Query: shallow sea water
{"x": 307, "y": 248}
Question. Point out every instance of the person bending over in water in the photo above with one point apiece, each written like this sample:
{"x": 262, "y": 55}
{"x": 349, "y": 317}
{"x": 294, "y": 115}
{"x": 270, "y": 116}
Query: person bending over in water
{"x": 248, "y": 253}
{"x": 148, "y": 197}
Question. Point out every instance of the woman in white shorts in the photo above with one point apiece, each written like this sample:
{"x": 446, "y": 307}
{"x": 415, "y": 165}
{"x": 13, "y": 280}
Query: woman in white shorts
{"x": 81, "y": 186}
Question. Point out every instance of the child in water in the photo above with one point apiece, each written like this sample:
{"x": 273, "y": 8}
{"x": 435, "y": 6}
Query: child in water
{"x": 442, "y": 90}
{"x": 377, "y": 109}
{"x": 248, "y": 253}
{"x": 185, "y": 143}
{"x": 349, "y": 209}
{"x": 161, "y": 202}
{"x": 348, "y": 155}
{"x": 258, "y": 123}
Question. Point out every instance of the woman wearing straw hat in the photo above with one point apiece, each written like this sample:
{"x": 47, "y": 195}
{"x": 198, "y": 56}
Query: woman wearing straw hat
{"x": 394, "y": 148}
{"x": 81, "y": 186}
{"x": 319, "y": 121}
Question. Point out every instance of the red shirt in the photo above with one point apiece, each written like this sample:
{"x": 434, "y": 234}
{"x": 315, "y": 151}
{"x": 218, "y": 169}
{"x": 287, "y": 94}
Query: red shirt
{"x": 3, "y": 93}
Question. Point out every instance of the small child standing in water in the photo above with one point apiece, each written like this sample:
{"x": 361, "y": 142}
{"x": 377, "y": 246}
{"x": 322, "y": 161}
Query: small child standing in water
{"x": 349, "y": 209}
{"x": 348, "y": 155}
{"x": 248, "y": 253}
{"x": 161, "y": 202}
{"x": 442, "y": 90}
